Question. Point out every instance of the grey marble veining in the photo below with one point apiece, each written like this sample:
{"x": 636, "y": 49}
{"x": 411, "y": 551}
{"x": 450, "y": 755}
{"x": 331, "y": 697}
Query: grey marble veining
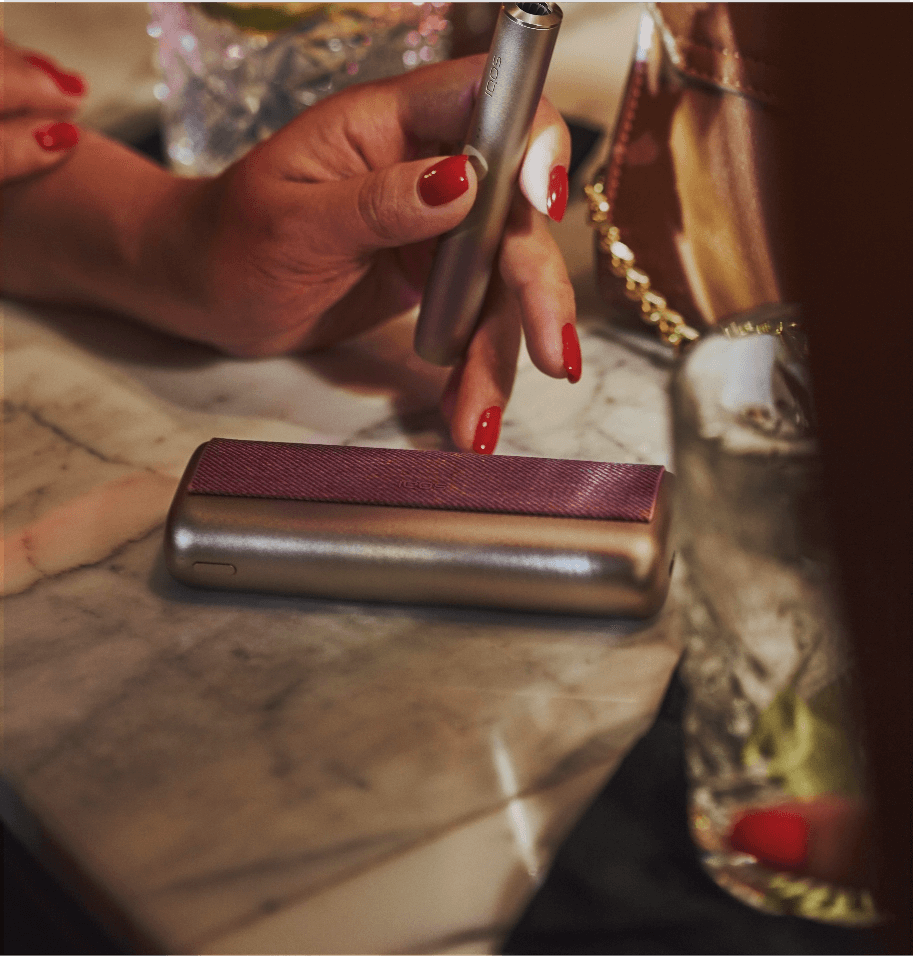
{"x": 236, "y": 771}
{"x": 226, "y": 754}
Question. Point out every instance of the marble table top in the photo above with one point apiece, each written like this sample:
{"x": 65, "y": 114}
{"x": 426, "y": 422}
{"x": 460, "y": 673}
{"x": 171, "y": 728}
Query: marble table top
{"x": 239, "y": 773}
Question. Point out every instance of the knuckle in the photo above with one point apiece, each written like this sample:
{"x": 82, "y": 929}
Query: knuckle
{"x": 378, "y": 214}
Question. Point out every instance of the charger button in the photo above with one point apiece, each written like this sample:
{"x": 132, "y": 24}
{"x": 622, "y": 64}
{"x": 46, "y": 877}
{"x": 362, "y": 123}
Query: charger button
{"x": 214, "y": 569}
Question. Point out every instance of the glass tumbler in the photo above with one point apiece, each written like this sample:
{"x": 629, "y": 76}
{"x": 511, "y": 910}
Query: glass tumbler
{"x": 234, "y": 73}
{"x": 766, "y": 664}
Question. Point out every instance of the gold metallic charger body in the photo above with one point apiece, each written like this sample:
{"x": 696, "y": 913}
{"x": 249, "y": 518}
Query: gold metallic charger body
{"x": 421, "y": 555}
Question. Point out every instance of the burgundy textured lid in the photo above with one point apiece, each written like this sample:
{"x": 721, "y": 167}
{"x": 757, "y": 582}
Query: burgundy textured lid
{"x": 449, "y": 481}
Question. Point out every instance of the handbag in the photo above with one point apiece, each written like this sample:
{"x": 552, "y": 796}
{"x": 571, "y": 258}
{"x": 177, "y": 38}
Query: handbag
{"x": 687, "y": 207}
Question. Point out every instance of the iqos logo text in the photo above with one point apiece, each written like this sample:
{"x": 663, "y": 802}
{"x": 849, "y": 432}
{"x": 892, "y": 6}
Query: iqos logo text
{"x": 422, "y": 485}
{"x": 492, "y": 81}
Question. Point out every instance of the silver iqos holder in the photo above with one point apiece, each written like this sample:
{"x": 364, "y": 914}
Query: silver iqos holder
{"x": 498, "y": 136}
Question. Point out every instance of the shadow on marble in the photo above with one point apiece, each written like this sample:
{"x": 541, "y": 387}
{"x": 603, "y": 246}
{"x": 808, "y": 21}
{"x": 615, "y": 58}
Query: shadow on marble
{"x": 339, "y": 392}
{"x": 379, "y": 362}
{"x": 640, "y": 342}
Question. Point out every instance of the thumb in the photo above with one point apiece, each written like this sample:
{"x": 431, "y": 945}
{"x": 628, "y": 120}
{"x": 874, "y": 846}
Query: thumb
{"x": 397, "y": 205}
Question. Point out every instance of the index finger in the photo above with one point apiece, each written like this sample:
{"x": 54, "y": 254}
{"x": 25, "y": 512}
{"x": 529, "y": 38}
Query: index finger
{"x": 32, "y": 83}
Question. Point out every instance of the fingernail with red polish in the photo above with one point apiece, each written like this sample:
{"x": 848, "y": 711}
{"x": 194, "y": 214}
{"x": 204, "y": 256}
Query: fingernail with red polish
{"x": 556, "y": 201}
{"x": 56, "y": 137}
{"x": 487, "y": 431}
{"x": 66, "y": 82}
{"x": 778, "y": 838}
{"x": 572, "y": 360}
{"x": 444, "y": 181}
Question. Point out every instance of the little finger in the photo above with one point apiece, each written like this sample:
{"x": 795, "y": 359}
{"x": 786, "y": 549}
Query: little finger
{"x": 543, "y": 175}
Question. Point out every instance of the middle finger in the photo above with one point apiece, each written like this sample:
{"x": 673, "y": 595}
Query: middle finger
{"x": 533, "y": 269}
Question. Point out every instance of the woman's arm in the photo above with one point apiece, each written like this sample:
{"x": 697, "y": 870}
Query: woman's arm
{"x": 106, "y": 228}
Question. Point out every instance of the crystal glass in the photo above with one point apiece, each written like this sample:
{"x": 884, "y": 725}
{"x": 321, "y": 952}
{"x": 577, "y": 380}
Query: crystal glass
{"x": 766, "y": 664}
{"x": 233, "y": 73}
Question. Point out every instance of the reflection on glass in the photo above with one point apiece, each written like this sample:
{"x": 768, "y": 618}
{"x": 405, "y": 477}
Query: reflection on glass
{"x": 233, "y": 73}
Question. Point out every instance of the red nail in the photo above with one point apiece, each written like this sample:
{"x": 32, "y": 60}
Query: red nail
{"x": 487, "y": 431}
{"x": 778, "y": 838}
{"x": 67, "y": 82}
{"x": 572, "y": 360}
{"x": 444, "y": 181}
{"x": 57, "y": 136}
{"x": 556, "y": 202}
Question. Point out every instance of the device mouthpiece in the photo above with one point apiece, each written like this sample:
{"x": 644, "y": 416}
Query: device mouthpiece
{"x": 536, "y": 9}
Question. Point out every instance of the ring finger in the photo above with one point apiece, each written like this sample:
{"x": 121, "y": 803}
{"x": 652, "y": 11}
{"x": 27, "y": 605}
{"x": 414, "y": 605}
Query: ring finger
{"x": 532, "y": 267}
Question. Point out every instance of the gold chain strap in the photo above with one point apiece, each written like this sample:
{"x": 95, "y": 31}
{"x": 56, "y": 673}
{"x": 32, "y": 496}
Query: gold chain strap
{"x": 671, "y": 325}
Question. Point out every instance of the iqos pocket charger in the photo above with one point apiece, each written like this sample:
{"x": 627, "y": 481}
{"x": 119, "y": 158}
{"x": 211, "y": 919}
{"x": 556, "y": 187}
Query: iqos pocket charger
{"x": 423, "y": 527}
{"x": 498, "y": 136}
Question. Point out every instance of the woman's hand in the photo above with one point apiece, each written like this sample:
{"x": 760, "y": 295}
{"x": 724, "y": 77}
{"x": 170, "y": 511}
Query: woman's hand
{"x": 322, "y": 231}
{"x": 328, "y": 228}
{"x": 38, "y": 100}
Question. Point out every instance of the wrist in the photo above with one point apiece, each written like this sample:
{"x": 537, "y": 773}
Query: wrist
{"x": 107, "y": 228}
{"x": 170, "y": 288}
